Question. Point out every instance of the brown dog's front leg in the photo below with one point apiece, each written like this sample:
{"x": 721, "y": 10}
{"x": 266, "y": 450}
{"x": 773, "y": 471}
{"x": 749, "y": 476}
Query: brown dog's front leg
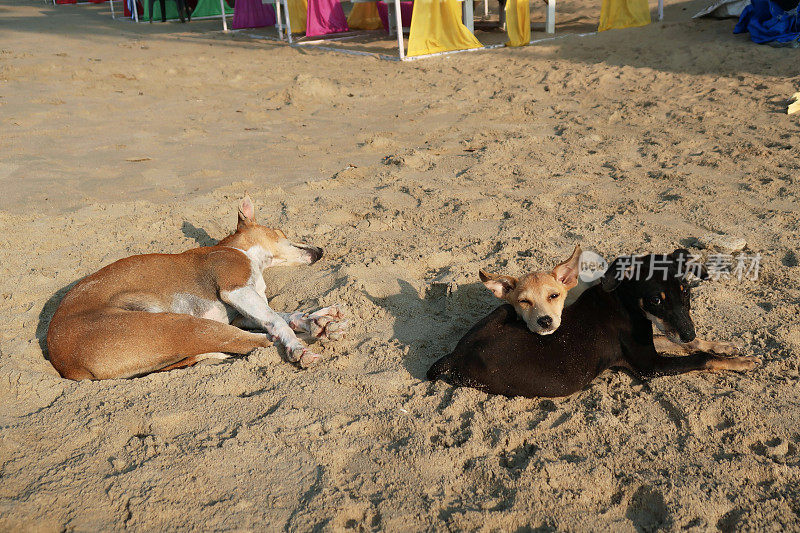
{"x": 255, "y": 308}
{"x": 327, "y": 323}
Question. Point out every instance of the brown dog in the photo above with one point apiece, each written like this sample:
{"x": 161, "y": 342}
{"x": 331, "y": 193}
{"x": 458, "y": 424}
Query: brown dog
{"x": 162, "y": 311}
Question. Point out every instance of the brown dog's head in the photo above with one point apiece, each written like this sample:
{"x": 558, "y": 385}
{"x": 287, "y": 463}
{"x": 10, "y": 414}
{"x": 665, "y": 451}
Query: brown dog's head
{"x": 278, "y": 250}
{"x": 538, "y": 297}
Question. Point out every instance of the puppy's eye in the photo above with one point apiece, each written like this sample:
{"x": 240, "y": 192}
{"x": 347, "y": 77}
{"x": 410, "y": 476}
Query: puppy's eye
{"x": 525, "y": 302}
{"x": 554, "y": 296}
{"x": 654, "y": 300}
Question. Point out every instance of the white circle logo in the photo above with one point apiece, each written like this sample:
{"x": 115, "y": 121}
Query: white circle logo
{"x": 591, "y": 267}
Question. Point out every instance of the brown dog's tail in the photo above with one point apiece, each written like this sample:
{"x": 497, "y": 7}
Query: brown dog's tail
{"x": 440, "y": 367}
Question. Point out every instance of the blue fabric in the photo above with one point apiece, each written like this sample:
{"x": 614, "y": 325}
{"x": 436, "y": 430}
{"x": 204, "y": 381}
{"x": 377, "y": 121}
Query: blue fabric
{"x": 766, "y": 22}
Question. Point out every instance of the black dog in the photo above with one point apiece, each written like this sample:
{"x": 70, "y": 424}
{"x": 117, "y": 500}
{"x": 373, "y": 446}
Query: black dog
{"x": 610, "y": 325}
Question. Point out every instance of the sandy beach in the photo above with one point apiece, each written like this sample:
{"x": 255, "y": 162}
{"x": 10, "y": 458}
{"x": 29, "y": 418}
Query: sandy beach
{"x": 119, "y": 139}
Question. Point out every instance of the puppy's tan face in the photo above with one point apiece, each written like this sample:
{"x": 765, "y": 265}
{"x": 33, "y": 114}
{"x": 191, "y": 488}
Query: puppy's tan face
{"x": 537, "y": 297}
{"x": 539, "y": 300}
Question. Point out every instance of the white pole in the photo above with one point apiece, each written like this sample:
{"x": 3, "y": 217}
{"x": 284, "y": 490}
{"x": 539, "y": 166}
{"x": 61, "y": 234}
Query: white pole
{"x": 399, "y": 16}
{"x": 550, "y": 19}
{"x": 112, "y": 8}
{"x": 288, "y": 21}
{"x": 278, "y": 22}
{"x": 469, "y": 15}
{"x": 486, "y": 8}
{"x": 224, "y": 21}
{"x": 660, "y": 10}
{"x": 135, "y": 11}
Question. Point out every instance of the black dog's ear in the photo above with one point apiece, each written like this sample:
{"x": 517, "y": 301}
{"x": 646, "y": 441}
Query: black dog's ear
{"x": 687, "y": 263}
{"x": 680, "y": 254}
{"x": 617, "y": 271}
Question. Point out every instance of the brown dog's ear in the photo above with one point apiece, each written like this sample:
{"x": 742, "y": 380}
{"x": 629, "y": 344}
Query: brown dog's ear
{"x": 499, "y": 285}
{"x": 567, "y": 272}
{"x": 247, "y": 212}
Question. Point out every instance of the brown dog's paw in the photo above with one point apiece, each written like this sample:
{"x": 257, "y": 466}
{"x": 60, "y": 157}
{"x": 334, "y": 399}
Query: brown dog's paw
{"x": 327, "y": 323}
{"x": 737, "y": 364}
{"x": 308, "y": 358}
{"x": 302, "y": 356}
{"x": 294, "y": 353}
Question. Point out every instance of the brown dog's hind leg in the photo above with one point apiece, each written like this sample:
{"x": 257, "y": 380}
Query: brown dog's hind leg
{"x": 77, "y": 374}
{"x": 124, "y": 344}
{"x": 193, "y": 360}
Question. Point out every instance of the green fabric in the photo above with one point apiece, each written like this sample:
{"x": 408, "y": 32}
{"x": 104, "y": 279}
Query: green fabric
{"x": 205, "y": 8}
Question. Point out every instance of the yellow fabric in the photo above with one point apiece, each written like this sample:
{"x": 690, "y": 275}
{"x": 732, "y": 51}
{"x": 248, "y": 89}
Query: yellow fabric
{"x": 436, "y": 27}
{"x": 298, "y": 10}
{"x": 364, "y": 16}
{"x": 518, "y": 22}
{"x": 623, "y": 14}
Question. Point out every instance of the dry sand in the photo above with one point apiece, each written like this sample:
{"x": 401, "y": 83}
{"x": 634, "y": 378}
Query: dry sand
{"x": 637, "y": 140}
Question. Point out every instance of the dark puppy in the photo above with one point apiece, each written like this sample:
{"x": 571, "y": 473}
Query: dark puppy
{"x": 611, "y": 325}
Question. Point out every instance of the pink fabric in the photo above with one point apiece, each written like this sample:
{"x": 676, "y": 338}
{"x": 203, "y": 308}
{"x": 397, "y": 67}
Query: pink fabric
{"x": 406, "y": 9}
{"x": 127, "y": 10}
{"x": 324, "y": 17}
{"x": 252, "y": 14}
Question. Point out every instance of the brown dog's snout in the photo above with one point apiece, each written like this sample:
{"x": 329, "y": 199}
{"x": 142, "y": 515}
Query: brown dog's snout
{"x": 315, "y": 252}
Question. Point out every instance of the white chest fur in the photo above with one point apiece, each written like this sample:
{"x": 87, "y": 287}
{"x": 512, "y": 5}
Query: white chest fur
{"x": 259, "y": 260}
{"x": 217, "y": 310}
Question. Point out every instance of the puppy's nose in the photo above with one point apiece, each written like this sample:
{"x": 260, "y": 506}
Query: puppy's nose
{"x": 545, "y": 321}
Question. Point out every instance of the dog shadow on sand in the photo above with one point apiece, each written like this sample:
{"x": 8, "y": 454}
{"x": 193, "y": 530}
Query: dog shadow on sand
{"x": 430, "y": 324}
{"x": 199, "y": 235}
{"x": 46, "y": 314}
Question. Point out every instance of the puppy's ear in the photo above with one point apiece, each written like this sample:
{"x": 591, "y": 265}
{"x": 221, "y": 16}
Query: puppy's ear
{"x": 567, "y": 272}
{"x": 687, "y": 263}
{"x": 617, "y": 271}
{"x": 247, "y": 212}
{"x": 499, "y": 285}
